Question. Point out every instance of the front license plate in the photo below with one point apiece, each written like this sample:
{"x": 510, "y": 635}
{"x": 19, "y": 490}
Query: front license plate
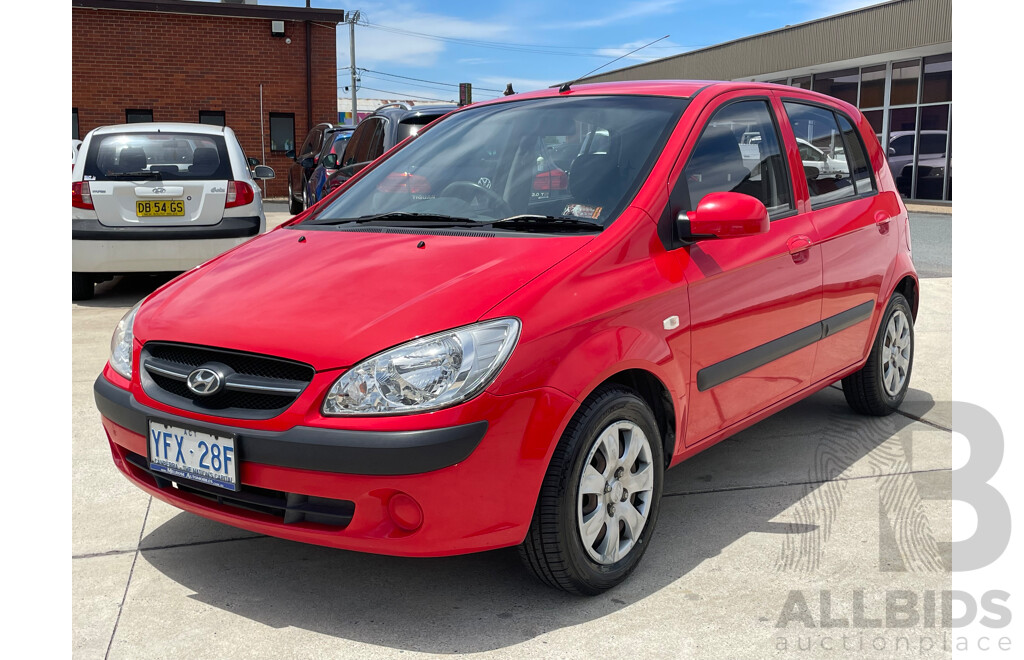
{"x": 193, "y": 454}
{"x": 160, "y": 207}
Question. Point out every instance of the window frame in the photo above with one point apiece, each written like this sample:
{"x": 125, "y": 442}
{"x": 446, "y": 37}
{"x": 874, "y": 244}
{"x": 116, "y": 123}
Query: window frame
{"x": 787, "y": 170}
{"x": 856, "y": 126}
{"x": 280, "y": 115}
{"x": 213, "y": 113}
{"x": 138, "y": 111}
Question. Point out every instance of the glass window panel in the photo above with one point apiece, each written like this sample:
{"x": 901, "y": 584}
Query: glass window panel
{"x": 738, "y": 151}
{"x": 137, "y": 116}
{"x": 817, "y": 134}
{"x": 803, "y": 82}
{"x": 74, "y": 124}
{"x": 778, "y": 82}
{"x": 282, "y": 131}
{"x": 904, "y": 82}
{"x": 931, "y": 158}
{"x": 212, "y": 117}
{"x": 938, "y": 79}
{"x": 900, "y": 150}
{"x": 839, "y": 84}
{"x": 872, "y": 87}
{"x": 855, "y": 157}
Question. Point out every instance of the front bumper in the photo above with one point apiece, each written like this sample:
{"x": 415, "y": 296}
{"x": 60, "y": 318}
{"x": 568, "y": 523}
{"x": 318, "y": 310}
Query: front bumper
{"x": 476, "y": 483}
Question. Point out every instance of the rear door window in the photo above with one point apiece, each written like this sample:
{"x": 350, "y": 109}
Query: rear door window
{"x": 738, "y": 151}
{"x": 165, "y": 156}
{"x": 856, "y": 158}
{"x": 363, "y": 141}
{"x": 828, "y": 175}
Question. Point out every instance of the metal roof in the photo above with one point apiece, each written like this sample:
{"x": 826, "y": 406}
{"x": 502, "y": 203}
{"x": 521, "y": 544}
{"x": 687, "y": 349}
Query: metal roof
{"x": 889, "y": 27}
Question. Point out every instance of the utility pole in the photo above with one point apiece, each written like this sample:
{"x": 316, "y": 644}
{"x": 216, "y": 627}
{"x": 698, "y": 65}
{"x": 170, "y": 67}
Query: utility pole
{"x": 353, "y": 18}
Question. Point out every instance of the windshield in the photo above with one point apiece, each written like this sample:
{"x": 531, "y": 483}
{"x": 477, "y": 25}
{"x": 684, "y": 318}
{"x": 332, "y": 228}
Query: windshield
{"x": 580, "y": 158}
{"x": 168, "y": 156}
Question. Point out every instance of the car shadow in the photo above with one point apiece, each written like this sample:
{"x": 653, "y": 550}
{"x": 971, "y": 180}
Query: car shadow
{"x": 488, "y": 601}
{"x": 126, "y": 290}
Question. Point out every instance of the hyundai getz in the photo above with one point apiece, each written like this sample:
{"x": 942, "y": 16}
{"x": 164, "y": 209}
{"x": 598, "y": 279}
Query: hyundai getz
{"x": 433, "y": 360}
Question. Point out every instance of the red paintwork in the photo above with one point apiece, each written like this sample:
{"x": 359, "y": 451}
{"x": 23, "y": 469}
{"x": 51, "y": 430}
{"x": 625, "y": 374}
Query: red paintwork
{"x": 591, "y": 306}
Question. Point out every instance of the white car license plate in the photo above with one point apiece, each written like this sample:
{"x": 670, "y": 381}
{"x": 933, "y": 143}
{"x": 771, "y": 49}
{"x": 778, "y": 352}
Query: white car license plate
{"x": 191, "y": 454}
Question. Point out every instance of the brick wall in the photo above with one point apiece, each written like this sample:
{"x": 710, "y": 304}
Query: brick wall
{"x": 177, "y": 65}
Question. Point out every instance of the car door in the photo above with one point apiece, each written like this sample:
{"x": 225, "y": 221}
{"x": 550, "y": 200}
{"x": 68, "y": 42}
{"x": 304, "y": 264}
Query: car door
{"x": 754, "y": 301}
{"x": 854, "y": 228}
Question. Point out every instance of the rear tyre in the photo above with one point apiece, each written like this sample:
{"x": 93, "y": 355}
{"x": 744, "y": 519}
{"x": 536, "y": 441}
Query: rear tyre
{"x": 82, "y": 286}
{"x": 294, "y": 205}
{"x": 881, "y": 385}
{"x": 599, "y": 501}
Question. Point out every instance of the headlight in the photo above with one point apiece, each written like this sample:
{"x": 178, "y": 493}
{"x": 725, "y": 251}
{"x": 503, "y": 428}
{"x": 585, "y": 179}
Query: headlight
{"x": 121, "y": 344}
{"x": 426, "y": 374}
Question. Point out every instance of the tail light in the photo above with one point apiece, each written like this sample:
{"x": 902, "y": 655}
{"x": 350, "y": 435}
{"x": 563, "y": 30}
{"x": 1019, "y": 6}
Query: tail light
{"x": 239, "y": 194}
{"x": 404, "y": 182}
{"x": 552, "y": 180}
{"x": 81, "y": 195}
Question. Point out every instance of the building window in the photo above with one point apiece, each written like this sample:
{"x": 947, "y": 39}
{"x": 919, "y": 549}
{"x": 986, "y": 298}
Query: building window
{"x": 938, "y": 79}
{"x": 212, "y": 117}
{"x": 74, "y": 124}
{"x": 136, "y": 116}
{"x": 872, "y": 87}
{"x": 282, "y": 131}
{"x": 904, "y": 82}
{"x": 803, "y": 82}
{"x": 838, "y": 84}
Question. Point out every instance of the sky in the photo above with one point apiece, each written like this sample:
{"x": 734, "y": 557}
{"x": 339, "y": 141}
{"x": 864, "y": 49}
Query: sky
{"x": 422, "y": 50}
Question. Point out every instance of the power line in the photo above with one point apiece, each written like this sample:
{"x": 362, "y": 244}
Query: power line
{"x": 408, "y": 96}
{"x": 435, "y": 82}
{"x": 581, "y": 51}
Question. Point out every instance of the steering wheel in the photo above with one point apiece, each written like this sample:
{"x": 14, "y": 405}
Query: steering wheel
{"x": 468, "y": 191}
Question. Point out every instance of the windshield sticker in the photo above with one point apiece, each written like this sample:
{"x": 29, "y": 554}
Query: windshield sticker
{"x": 582, "y": 211}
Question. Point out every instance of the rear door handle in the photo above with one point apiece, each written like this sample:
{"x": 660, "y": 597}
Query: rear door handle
{"x": 882, "y": 218}
{"x": 798, "y": 243}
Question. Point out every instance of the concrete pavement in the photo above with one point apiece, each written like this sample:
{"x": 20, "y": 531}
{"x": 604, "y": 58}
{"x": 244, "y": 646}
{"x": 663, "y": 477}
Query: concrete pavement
{"x": 812, "y": 505}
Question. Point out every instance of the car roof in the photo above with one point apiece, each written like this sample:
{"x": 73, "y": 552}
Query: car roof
{"x": 161, "y": 126}
{"x": 400, "y": 114}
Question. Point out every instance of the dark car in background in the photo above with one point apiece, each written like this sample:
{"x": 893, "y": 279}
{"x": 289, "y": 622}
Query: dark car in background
{"x": 387, "y": 126}
{"x": 306, "y": 160}
{"x": 334, "y": 145}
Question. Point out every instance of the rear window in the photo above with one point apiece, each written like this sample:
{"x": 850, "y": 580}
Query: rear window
{"x": 412, "y": 125}
{"x": 166, "y": 156}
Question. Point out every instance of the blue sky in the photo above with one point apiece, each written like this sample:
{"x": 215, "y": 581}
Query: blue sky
{"x": 536, "y": 43}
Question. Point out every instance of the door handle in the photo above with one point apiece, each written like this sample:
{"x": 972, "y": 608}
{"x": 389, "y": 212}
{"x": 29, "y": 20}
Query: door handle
{"x": 882, "y": 221}
{"x": 798, "y": 243}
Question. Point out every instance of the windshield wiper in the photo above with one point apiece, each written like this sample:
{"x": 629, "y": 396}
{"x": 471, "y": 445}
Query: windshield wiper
{"x": 530, "y": 221}
{"x": 434, "y": 219}
{"x": 141, "y": 174}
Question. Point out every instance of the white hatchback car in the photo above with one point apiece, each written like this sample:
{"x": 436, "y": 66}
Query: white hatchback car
{"x": 159, "y": 197}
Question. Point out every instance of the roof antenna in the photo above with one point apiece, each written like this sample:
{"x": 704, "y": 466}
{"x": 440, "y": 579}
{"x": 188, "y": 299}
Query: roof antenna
{"x": 565, "y": 86}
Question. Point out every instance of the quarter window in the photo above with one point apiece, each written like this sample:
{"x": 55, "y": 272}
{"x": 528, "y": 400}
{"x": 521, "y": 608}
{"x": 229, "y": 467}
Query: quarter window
{"x": 828, "y": 177}
{"x": 738, "y": 151}
{"x": 856, "y": 158}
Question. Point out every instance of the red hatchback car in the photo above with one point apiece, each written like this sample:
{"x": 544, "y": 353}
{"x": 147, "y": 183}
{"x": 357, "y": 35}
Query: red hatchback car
{"x": 433, "y": 360}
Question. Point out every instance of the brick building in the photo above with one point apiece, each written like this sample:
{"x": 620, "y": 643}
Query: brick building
{"x": 179, "y": 60}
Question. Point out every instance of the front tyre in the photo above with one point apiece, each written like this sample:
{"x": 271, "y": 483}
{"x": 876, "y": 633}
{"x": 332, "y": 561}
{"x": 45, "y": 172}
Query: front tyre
{"x": 881, "y": 384}
{"x": 599, "y": 502}
{"x": 294, "y": 205}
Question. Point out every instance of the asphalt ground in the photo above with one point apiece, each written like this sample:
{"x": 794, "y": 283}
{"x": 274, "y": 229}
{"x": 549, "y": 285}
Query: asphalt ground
{"x": 813, "y": 516}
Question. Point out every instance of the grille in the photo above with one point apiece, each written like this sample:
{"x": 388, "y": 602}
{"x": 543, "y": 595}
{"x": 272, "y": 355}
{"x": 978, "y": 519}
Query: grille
{"x": 165, "y": 368}
{"x": 289, "y": 508}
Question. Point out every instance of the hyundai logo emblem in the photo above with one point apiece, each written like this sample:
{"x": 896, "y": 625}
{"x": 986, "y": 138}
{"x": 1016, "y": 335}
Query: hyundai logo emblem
{"x": 204, "y": 382}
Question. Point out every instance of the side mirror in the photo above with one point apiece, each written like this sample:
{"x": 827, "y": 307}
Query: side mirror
{"x": 308, "y": 162}
{"x": 331, "y": 161}
{"x": 290, "y": 153}
{"x": 892, "y": 151}
{"x": 723, "y": 215}
{"x": 263, "y": 172}
{"x": 253, "y": 162}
